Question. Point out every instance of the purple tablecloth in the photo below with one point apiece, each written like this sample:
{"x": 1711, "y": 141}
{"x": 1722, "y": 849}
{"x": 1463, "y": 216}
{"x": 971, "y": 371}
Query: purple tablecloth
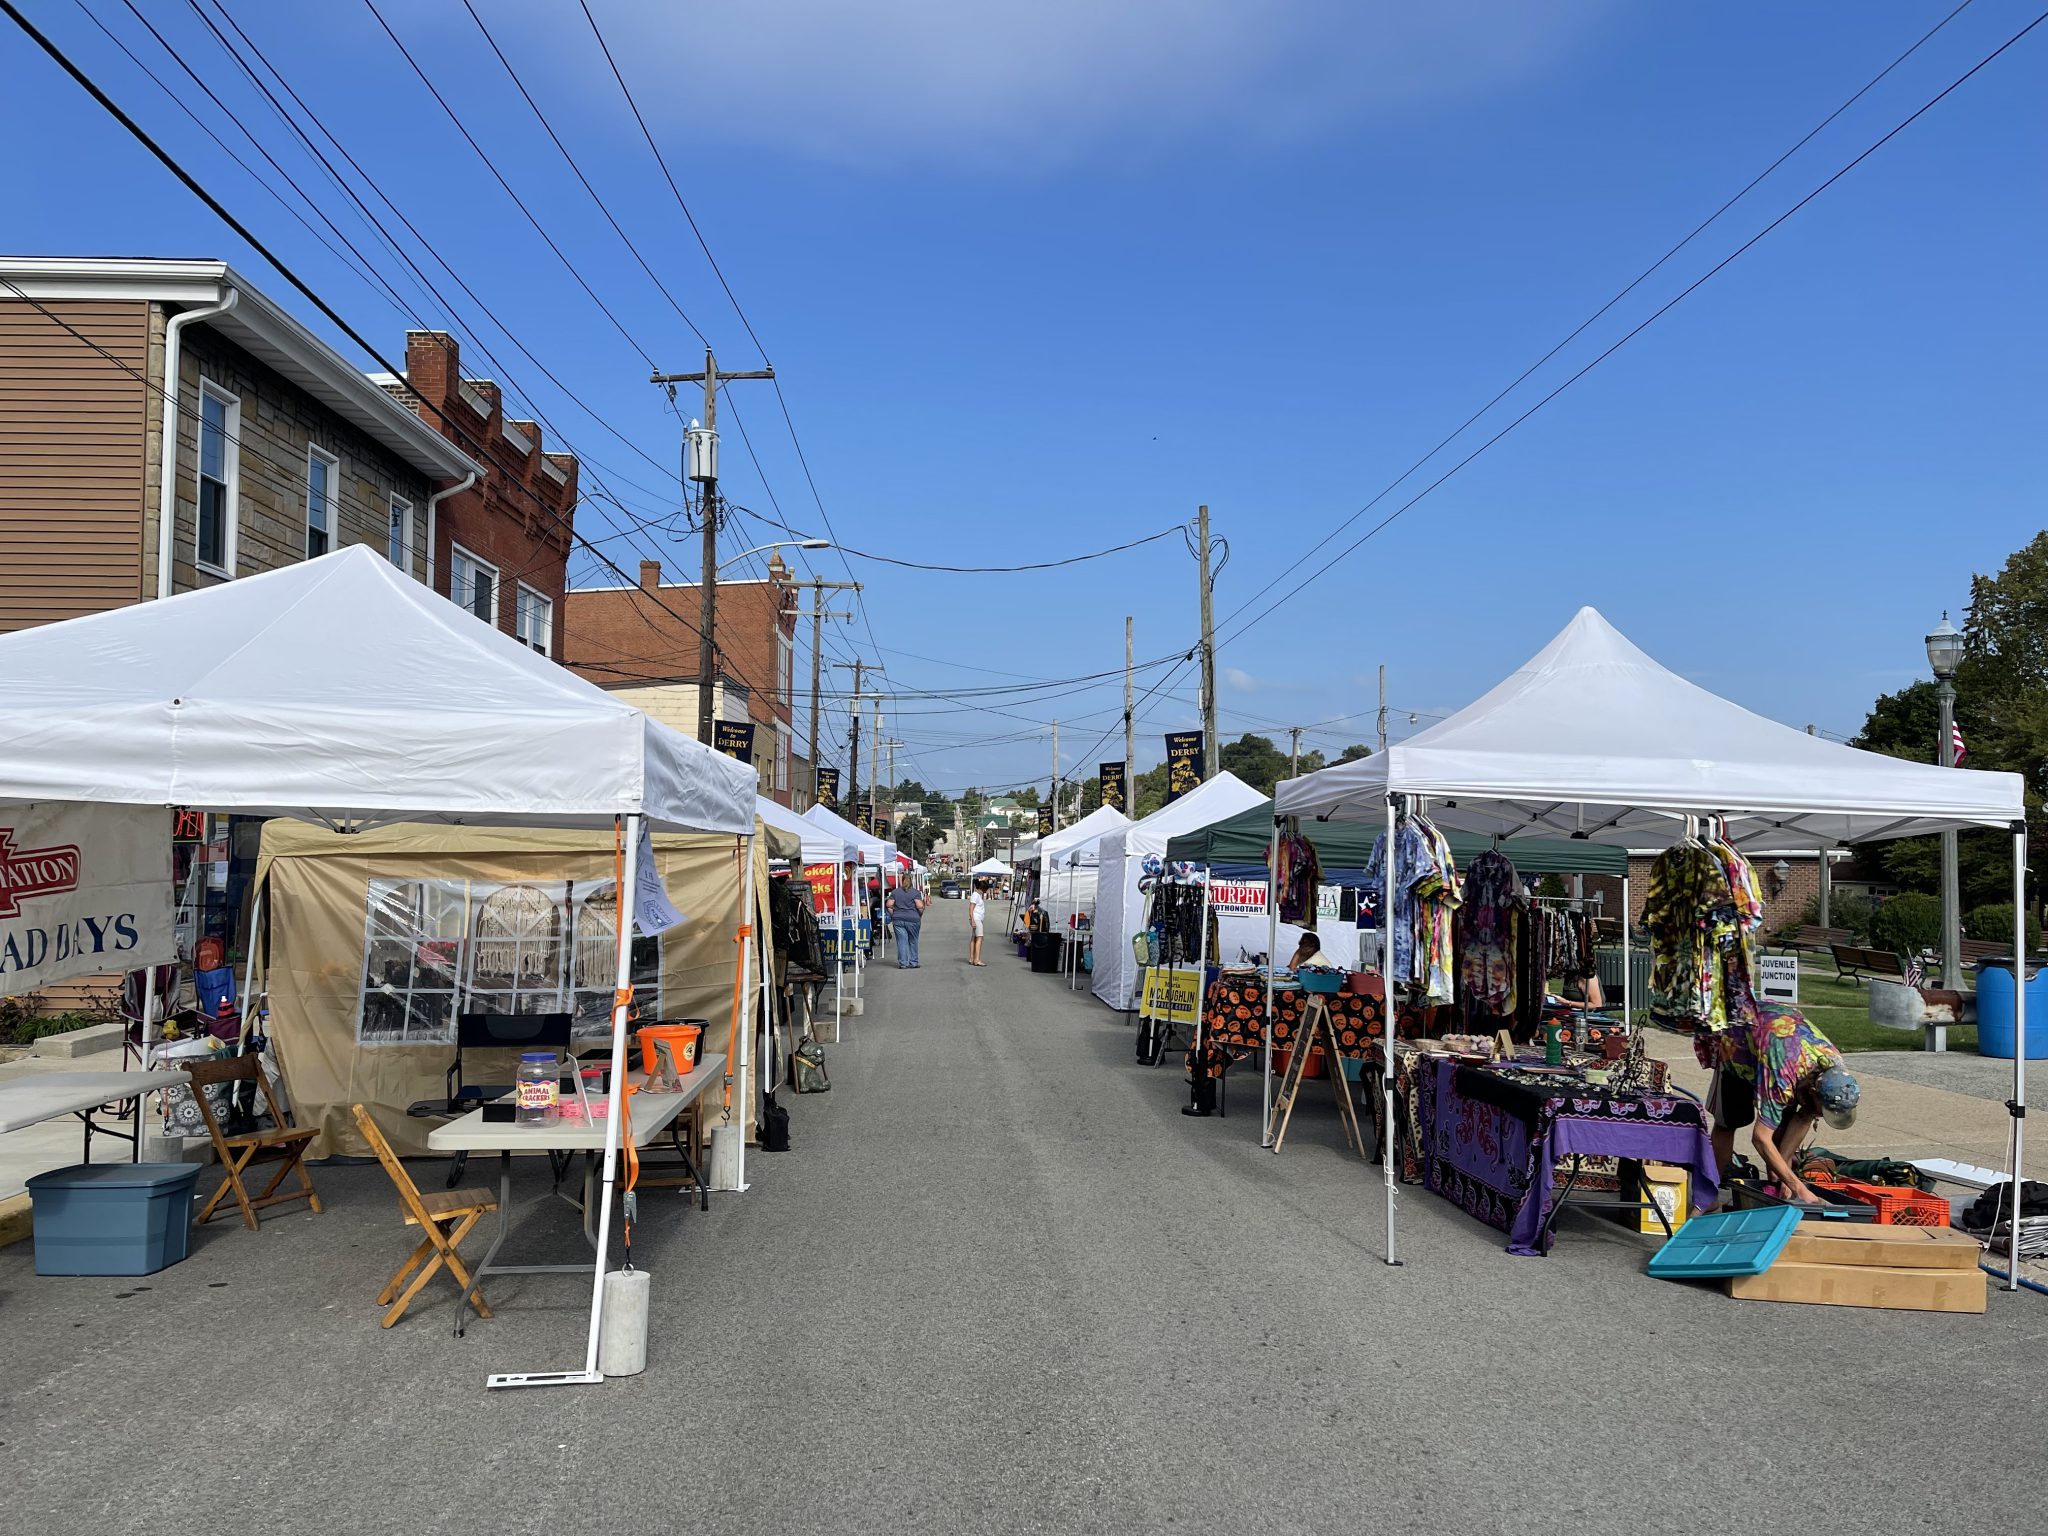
{"x": 1498, "y": 1160}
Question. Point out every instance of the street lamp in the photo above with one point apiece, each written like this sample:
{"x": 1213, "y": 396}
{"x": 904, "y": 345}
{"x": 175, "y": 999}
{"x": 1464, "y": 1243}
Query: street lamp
{"x": 760, "y": 549}
{"x": 1944, "y": 655}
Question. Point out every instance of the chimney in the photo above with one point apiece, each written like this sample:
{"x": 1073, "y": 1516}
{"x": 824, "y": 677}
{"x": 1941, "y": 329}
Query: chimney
{"x": 650, "y": 575}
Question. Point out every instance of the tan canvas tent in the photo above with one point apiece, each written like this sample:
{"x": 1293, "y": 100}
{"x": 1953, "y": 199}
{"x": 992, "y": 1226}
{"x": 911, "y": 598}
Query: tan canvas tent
{"x": 377, "y": 939}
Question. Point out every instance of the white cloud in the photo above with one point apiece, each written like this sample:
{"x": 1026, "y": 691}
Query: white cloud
{"x": 1029, "y": 87}
{"x": 1240, "y": 679}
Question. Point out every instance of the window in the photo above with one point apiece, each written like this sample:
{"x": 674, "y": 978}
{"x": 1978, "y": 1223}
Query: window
{"x": 220, "y": 419}
{"x": 473, "y": 585}
{"x": 786, "y": 649}
{"x": 398, "y": 542}
{"x": 323, "y": 471}
{"x": 533, "y": 619}
{"x": 782, "y": 757}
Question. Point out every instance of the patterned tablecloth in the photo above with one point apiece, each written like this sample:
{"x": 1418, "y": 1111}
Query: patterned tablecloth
{"x": 1234, "y": 1017}
{"x": 1491, "y": 1139}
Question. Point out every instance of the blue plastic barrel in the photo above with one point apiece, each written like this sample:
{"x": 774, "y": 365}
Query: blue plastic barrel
{"x": 1996, "y": 1027}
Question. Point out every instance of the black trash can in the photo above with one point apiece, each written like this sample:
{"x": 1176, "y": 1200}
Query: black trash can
{"x": 1045, "y": 951}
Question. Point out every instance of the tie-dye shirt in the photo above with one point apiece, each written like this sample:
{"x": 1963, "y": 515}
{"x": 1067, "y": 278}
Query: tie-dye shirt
{"x": 1776, "y": 1051}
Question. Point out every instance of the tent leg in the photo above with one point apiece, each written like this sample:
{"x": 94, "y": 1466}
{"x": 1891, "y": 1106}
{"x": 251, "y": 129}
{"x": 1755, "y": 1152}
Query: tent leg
{"x": 2018, "y": 1107}
{"x": 142, "y": 1062}
{"x": 1202, "y": 973}
{"x": 622, "y": 997}
{"x": 742, "y": 1030}
{"x": 1392, "y": 1017}
{"x": 1628, "y": 1001}
{"x": 1272, "y": 943}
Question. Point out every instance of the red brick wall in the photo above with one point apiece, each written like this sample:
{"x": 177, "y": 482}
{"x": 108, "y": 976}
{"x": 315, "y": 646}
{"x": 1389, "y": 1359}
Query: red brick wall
{"x": 519, "y": 517}
{"x": 648, "y": 634}
{"x": 1782, "y": 908}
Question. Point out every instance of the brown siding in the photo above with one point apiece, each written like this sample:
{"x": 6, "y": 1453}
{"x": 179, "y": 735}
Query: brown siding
{"x": 73, "y": 433}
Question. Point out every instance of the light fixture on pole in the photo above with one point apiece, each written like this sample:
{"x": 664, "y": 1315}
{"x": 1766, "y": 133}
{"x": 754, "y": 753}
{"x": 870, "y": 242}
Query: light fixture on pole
{"x": 762, "y": 549}
{"x": 1945, "y": 655}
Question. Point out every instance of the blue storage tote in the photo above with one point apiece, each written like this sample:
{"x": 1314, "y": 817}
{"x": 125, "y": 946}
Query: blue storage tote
{"x": 1726, "y": 1243}
{"x": 1997, "y": 1012}
{"x": 112, "y": 1218}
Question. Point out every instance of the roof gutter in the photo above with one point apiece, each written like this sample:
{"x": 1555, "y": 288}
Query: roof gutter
{"x": 433, "y": 505}
{"x": 167, "y": 469}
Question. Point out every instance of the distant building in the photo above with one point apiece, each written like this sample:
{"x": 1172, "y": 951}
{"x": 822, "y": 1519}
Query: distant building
{"x": 641, "y": 643}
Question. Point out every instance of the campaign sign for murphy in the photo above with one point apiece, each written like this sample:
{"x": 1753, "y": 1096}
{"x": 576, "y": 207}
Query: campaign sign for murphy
{"x": 84, "y": 889}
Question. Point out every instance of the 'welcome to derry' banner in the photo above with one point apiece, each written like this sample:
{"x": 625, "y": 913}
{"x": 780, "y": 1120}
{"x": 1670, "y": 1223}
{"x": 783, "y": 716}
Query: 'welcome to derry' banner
{"x": 84, "y": 890}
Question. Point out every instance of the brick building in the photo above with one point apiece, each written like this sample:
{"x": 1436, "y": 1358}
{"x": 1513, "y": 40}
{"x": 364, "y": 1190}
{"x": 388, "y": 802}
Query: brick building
{"x": 641, "y": 642}
{"x": 499, "y": 546}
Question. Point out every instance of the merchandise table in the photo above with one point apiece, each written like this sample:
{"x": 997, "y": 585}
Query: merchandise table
{"x": 27, "y": 1101}
{"x": 651, "y": 1114}
{"x": 1491, "y": 1138}
{"x": 1234, "y": 1017}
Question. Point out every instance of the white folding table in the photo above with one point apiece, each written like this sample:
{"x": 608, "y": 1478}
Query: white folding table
{"x": 27, "y": 1101}
{"x": 649, "y": 1116}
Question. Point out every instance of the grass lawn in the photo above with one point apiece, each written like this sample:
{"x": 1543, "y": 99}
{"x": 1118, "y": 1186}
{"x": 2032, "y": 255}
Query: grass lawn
{"x": 1841, "y": 1011}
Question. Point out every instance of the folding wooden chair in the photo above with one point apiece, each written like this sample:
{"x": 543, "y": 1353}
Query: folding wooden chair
{"x": 283, "y": 1144}
{"x": 445, "y": 1216}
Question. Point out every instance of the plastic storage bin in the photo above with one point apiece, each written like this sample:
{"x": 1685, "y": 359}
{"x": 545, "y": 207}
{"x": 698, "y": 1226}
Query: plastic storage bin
{"x": 1997, "y": 1030}
{"x": 112, "y": 1218}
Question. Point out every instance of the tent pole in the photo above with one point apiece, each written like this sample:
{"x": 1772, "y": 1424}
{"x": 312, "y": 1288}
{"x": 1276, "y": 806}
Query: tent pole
{"x": 2018, "y": 1106}
{"x": 1628, "y": 1011}
{"x": 1391, "y": 1017}
{"x": 1272, "y": 944}
{"x": 142, "y": 1054}
{"x": 248, "y": 995}
{"x": 622, "y": 999}
{"x": 1202, "y": 972}
{"x": 744, "y": 1029}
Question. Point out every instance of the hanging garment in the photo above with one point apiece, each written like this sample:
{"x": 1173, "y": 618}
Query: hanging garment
{"x": 1414, "y": 863}
{"x": 1486, "y": 934}
{"x": 1440, "y": 895}
{"x": 1295, "y": 878}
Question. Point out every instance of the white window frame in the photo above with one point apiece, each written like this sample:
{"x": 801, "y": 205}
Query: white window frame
{"x": 458, "y": 557}
{"x": 231, "y": 463}
{"x": 403, "y": 558}
{"x": 331, "y": 511}
{"x": 524, "y": 600}
{"x": 781, "y": 756}
{"x": 786, "y": 652}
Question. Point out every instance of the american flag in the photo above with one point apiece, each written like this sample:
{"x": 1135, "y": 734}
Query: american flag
{"x": 1914, "y": 975}
{"x": 1956, "y": 741}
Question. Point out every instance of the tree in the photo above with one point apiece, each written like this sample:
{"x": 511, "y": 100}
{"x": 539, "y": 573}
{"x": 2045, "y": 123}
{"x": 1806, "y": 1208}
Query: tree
{"x": 1255, "y": 760}
{"x": 1354, "y": 752}
{"x": 1027, "y": 797}
{"x": 907, "y": 792}
{"x": 1090, "y": 797}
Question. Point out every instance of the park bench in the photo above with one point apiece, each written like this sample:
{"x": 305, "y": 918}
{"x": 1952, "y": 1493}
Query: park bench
{"x": 1811, "y": 937}
{"x": 1855, "y": 963}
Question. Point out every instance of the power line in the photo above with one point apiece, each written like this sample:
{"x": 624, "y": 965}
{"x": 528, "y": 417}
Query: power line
{"x": 1597, "y": 314}
{"x": 1004, "y": 570}
{"x": 1654, "y": 317}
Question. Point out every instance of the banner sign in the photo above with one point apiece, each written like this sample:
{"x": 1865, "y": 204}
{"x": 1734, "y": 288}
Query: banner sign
{"x": 1045, "y": 821}
{"x": 1183, "y": 763}
{"x": 1174, "y": 995}
{"x": 653, "y": 912}
{"x": 1238, "y": 898}
{"x": 1111, "y": 777}
{"x": 734, "y": 738}
{"x": 828, "y": 788}
{"x": 84, "y": 889}
{"x": 823, "y": 879}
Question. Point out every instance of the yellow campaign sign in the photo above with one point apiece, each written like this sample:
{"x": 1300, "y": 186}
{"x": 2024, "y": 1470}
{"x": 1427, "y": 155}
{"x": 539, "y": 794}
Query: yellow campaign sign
{"x": 1174, "y": 996}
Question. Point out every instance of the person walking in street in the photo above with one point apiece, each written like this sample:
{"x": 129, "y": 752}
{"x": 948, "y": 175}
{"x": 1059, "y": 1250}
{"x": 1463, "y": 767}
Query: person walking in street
{"x": 906, "y": 913}
{"x": 977, "y": 920}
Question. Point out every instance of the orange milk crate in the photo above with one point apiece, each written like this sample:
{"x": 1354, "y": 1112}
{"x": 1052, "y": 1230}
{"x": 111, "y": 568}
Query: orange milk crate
{"x": 1897, "y": 1206}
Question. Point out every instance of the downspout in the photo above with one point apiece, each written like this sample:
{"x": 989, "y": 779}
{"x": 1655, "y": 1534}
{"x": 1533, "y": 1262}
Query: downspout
{"x": 167, "y": 466}
{"x": 433, "y": 504}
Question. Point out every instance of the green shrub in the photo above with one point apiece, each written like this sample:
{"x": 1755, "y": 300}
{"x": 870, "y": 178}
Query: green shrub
{"x": 1994, "y": 923}
{"x": 1848, "y": 912}
{"x": 1907, "y": 924}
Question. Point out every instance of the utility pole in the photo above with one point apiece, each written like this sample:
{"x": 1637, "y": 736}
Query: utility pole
{"x": 852, "y": 796}
{"x": 1383, "y": 706}
{"x": 875, "y": 770}
{"x": 1294, "y": 752}
{"x": 1130, "y": 727}
{"x": 817, "y": 614}
{"x": 703, "y": 468}
{"x": 890, "y": 747}
{"x": 1055, "y": 775}
{"x": 1210, "y": 765}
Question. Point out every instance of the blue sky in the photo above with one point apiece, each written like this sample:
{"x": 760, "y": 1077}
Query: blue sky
{"x": 1040, "y": 280}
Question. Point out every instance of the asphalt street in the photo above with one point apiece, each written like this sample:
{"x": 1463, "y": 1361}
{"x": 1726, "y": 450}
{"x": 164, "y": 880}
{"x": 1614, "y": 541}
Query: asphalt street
{"x": 1000, "y": 1283}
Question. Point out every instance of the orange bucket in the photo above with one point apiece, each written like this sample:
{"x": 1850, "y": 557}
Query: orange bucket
{"x": 682, "y": 1040}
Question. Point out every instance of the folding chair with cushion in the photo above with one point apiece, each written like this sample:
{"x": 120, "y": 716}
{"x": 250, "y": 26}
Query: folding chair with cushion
{"x": 446, "y": 1217}
{"x": 282, "y": 1143}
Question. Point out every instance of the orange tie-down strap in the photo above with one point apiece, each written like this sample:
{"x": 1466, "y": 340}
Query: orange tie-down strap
{"x": 732, "y": 1035}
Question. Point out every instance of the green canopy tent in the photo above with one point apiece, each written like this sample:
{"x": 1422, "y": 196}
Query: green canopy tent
{"x": 1246, "y": 839}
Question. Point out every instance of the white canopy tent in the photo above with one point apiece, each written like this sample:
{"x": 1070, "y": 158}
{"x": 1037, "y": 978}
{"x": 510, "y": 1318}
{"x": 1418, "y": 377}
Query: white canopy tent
{"x": 1067, "y": 864}
{"x": 1121, "y": 855}
{"x": 869, "y": 849}
{"x": 991, "y": 867}
{"x": 339, "y": 691}
{"x": 819, "y": 844}
{"x": 1593, "y": 739}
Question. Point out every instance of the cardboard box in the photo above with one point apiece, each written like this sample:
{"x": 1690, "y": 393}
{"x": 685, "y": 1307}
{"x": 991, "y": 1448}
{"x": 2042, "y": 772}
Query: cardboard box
{"x": 1670, "y": 1187}
{"x": 1865, "y": 1285}
{"x": 1886, "y": 1247}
